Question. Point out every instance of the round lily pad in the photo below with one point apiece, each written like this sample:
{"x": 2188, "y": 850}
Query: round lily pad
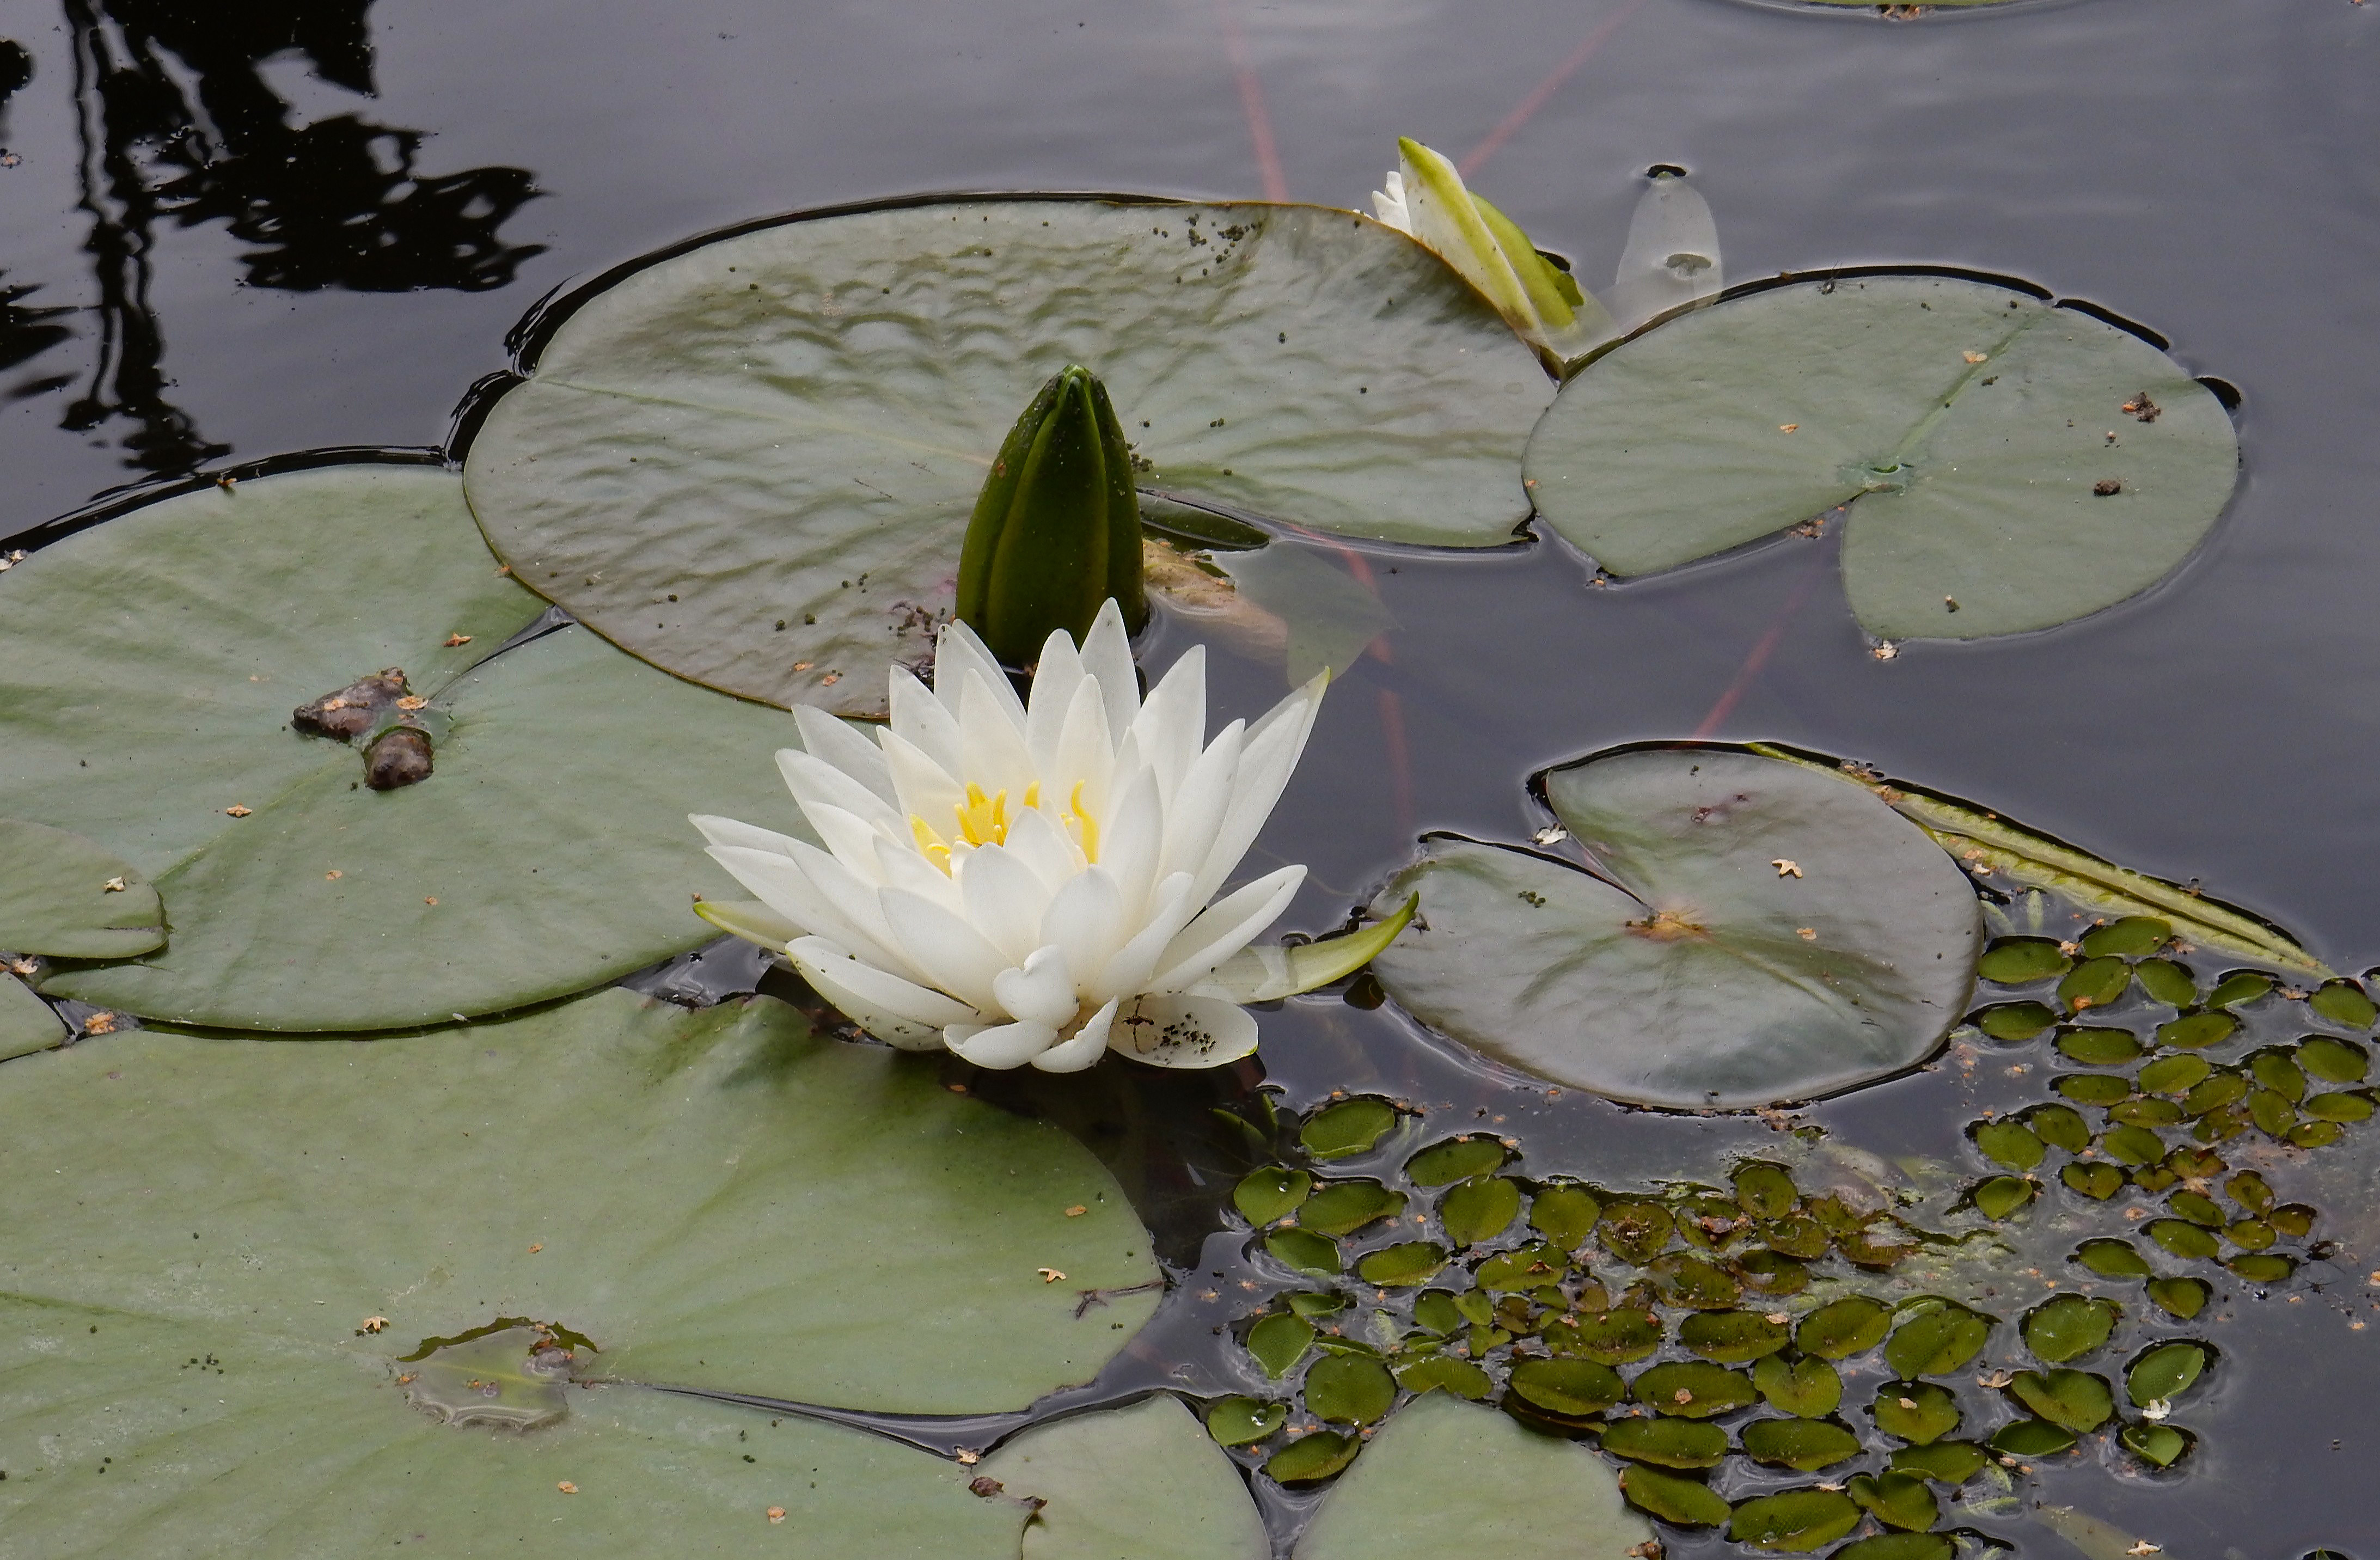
{"x": 26, "y": 1025}
{"x": 1404, "y": 1265}
{"x": 1564, "y": 1214}
{"x": 1344, "y": 1207}
{"x": 1965, "y": 426}
{"x": 1479, "y": 1209}
{"x": 148, "y": 672}
{"x": 1842, "y": 1328}
{"x": 2164, "y": 1372}
{"x": 1444, "y": 1372}
{"x": 1242, "y": 1422}
{"x": 1668, "y": 1442}
{"x": 1313, "y": 1457}
{"x": 1269, "y": 1192}
{"x": 1348, "y": 1128}
{"x": 1936, "y": 1338}
{"x": 1805, "y": 1446}
{"x": 1672, "y": 1497}
{"x": 1794, "y": 1520}
{"x": 1575, "y": 1387}
{"x": 1916, "y": 1412}
{"x": 2073, "y": 1400}
{"x": 1809, "y": 1389}
{"x": 1141, "y": 1480}
{"x": 790, "y": 426}
{"x": 1279, "y": 1341}
{"x": 1446, "y": 1477}
{"x": 1691, "y": 1389}
{"x": 1682, "y": 977}
{"x": 129, "y": 1432}
{"x": 719, "y": 1200}
{"x": 1457, "y": 1159}
{"x": 2069, "y": 1327}
{"x": 64, "y": 896}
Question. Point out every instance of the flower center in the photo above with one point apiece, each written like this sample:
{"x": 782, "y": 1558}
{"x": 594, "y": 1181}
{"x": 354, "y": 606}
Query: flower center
{"x": 983, "y": 820}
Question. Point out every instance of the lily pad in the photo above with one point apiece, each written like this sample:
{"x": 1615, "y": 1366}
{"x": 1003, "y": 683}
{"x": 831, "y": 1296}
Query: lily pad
{"x": 1312, "y": 1457}
{"x": 1403, "y": 1265}
{"x": 1842, "y": 1328}
{"x": 1936, "y": 1339}
{"x": 1242, "y": 1422}
{"x": 2070, "y": 1327}
{"x": 1350, "y": 1389}
{"x": 1564, "y": 1214}
{"x": 145, "y": 700}
{"x": 1916, "y": 1412}
{"x": 1279, "y": 1341}
{"x": 1270, "y": 1192}
{"x": 1945, "y": 1462}
{"x": 615, "y": 1166}
{"x": 1347, "y": 1128}
{"x": 1691, "y": 1389}
{"x": 1672, "y": 1497}
{"x": 2159, "y": 1445}
{"x": 1479, "y": 1209}
{"x": 1444, "y": 1372}
{"x": 64, "y": 896}
{"x": 1683, "y": 979}
{"x": 1141, "y": 1480}
{"x": 1897, "y": 1500}
{"x": 1668, "y": 1443}
{"x": 1796, "y": 1521}
{"x": 1804, "y": 1445}
{"x": 2164, "y": 1372}
{"x": 135, "y": 1433}
{"x": 791, "y": 425}
{"x": 1573, "y": 1387}
{"x": 1344, "y": 1207}
{"x": 1457, "y": 1159}
{"x": 2030, "y": 1438}
{"x": 26, "y": 1025}
{"x": 1809, "y": 1389}
{"x": 1963, "y": 424}
{"x": 2073, "y": 1400}
{"x": 1445, "y": 1478}
{"x": 1733, "y": 1337}
{"x": 1897, "y": 1547}
{"x": 2184, "y": 1298}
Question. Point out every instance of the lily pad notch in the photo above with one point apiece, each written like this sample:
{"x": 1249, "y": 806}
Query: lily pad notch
{"x": 2003, "y": 463}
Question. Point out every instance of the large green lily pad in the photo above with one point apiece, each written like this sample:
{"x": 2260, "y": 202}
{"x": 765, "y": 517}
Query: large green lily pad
{"x": 1445, "y": 1478}
{"x": 26, "y": 1025}
{"x": 62, "y": 896}
{"x": 1761, "y": 934}
{"x": 719, "y": 1200}
{"x": 138, "y": 1434}
{"x": 2008, "y": 464}
{"x": 147, "y": 669}
{"x": 1145, "y": 1481}
{"x": 790, "y": 426}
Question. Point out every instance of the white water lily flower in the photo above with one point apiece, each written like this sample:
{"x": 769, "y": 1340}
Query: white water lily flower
{"x": 1030, "y": 880}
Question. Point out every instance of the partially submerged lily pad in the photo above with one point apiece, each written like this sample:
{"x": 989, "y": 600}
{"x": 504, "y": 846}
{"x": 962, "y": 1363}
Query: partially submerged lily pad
{"x": 62, "y": 896}
{"x": 145, "y": 702}
{"x": 1763, "y": 933}
{"x": 1444, "y": 1477}
{"x": 788, "y": 427}
{"x": 616, "y": 1166}
{"x": 1144, "y": 1481}
{"x": 27, "y": 1024}
{"x": 1965, "y": 426}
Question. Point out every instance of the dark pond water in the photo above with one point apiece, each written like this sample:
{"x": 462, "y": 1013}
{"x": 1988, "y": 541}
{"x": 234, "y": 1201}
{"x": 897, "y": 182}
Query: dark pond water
{"x": 232, "y": 232}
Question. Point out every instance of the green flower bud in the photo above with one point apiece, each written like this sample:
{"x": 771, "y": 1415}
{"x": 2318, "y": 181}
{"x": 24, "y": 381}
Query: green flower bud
{"x": 1057, "y": 527}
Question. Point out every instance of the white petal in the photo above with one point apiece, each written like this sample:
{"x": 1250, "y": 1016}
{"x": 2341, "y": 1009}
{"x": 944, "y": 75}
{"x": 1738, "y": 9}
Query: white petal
{"x": 790, "y": 885}
{"x": 1000, "y": 1045}
{"x": 1270, "y": 753}
{"x": 1086, "y": 918}
{"x": 1043, "y": 847}
{"x": 1171, "y": 908}
{"x": 727, "y": 831}
{"x": 1004, "y": 900}
{"x": 1172, "y": 727}
{"x": 1132, "y": 841}
{"x": 956, "y": 653}
{"x": 1183, "y": 1032}
{"x": 1107, "y": 657}
{"x": 925, "y": 789}
{"x": 816, "y": 782}
{"x": 1056, "y": 675}
{"x": 901, "y": 866}
{"x": 1224, "y": 928}
{"x": 945, "y": 949}
{"x": 918, "y": 717}
{"x": 841, "y": 744}
{"x": 895, "y": 1011}
{"x": 1085, "y": 756}
{"x": 991, "y": 746}
{"x": 1389, "y": 204}
{"x": 859, "y": 922}
{"x": 852, "y": 838}
{"x": 1202, "y": 803}
{"x": 1086, "y": 1046}
{"x": 1041, "y": 990}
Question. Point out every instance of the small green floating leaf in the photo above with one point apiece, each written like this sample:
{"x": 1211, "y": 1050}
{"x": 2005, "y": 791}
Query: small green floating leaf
{"x": 2234, "y": 990}
{"x": 2182, "y": 1238}
{"x": 1270, "y": 1192}
{"x": 1312, "y": 1457}
{"x": 1279, "y": 1341}
{"x": 2261, "y": 1268}
{"x": 2160, "y": 1446}
{"x": 2131, "y": 937}
{"x": 2316, "y": 1134}
{"x": 1404, "y": 1265}
{"x": 2343, "y": 1001}
{"x": 2100, "y": 1047}
{"x": 1945, "y": 1462}
{"x": 1457, "y": 1159}
{"x": 1636, "y": 1231}
{"x": 1803, "y": 1445}
{"x": 2165, "y": 1373}
{"x": 1435, "y": 1310}
{"x": 2147, "y": 1113}
{"x": 2184, "y": 1298}
{"x": 1350, "y": 1389}
{"x": 2251, "y": 1191}
{"x": 2074, "y": 1400}
{"x": 1681, "y": 977}
{"x": 61, "y": 897}
{"x": 1936, "y": 1340}
{"x": 2099, "y": 1181}
{"x": 2014, "y": 1021}
{"x": 2214, "y": 1092}
{"x": 2059, "y": 1126}
{"x": 2166, "y": 982}
{"x": 1796, "y": 1521}
{"x": 1344, "y": 1207}
{"x": 1764, "y": 1191}
{"x": 1843, "y": 1328}
{"x": 1348, "y": 1128}
{"x": 1565, "y": 1215}
{"x": 1691, "y": 1389}
{"x": 2339, "y": 1106}
{"x": 1479, "y": 1209}
{"x": 1809, "y": 1389}
{"x": 1689, "y": 1502}
{"x": 1897, "y": 1500}
{"x": 2333, "y": 1060}
{"x": 1682, "y": 1280}
{"x": 2195, "y": 1032}
{"x": 2032, "y": 1438}
{"x": 1733, "y": 1337}
{"x": 1522, "y": 1269}
{"x": 2016, "y": 961}
{"x": 2002, "y": 1195}
{"x": 2095, "y": 983}
{"x": 1611, "y": 1337}
{"x": 2278, "y": 1071}
{"x": 2272, "y": 1111}
{"x": 1668, "y": 1442}
{"x": 2128, "y": 1144}
{"x": 1305, "y": 1252}
{"x": 1899, "y": 1546}
{"x": 2251, "y": 1235}
{"x": 2010, "y": 1142}
{"x": 2175, "y": 1075}
{"x": 1797, "y": 1234}
{"x": 1916, "y": 1412}
{"x": 2091, "y": 1089}
{"x": 2069, "y": 1327}
{"x": 1242, "y": 1422}
{"x": 2112, "y": 1258}
{"x": 1771, "y": 1273}
{"x": 1444, "y": 1372}
{"x": 2198, "y": 1209}
{"x": 1572, "y": 1387}
{"x": 2292, "y": 1219}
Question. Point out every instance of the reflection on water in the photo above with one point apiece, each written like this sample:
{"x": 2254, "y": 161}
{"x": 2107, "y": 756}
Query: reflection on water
{"x": 176, "y": 121}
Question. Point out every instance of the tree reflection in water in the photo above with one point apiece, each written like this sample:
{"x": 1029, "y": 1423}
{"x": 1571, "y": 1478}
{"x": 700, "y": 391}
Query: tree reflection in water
{"x": 178, "y": 123}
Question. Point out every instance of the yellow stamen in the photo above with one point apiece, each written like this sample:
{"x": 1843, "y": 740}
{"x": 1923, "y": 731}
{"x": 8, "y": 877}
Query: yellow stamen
{"x": 981, "y": 822}
{"x": 1085, "y": 824}
{"x": 929, "y": 843}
